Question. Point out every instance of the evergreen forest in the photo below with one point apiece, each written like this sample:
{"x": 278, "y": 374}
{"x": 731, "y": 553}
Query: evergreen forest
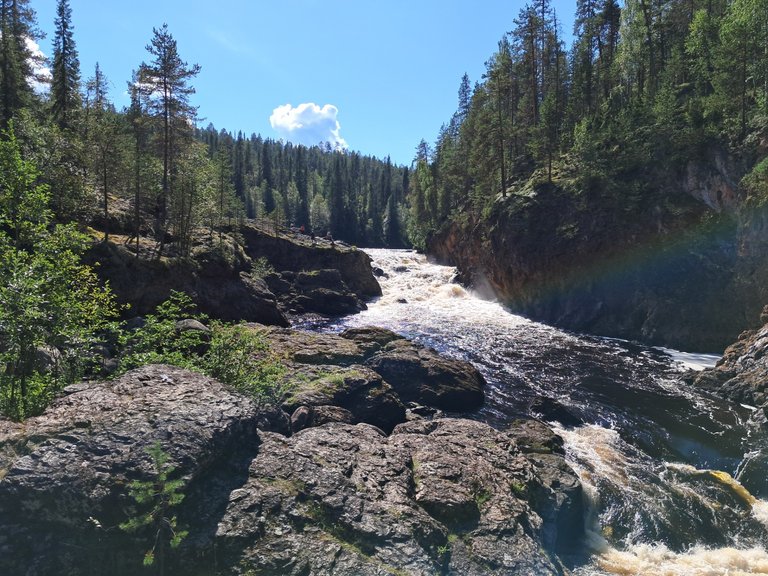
{"x": 150, "y": 170}
{"x": 644, "y": 88}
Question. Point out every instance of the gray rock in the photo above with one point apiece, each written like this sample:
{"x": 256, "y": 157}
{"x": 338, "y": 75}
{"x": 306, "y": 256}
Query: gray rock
{"x": 358, "y": 390}
{"x": 47, "y": 359}
{"x": 446, "y": 496}
{"x": 742, "y": 373}
{"x": 420, "y": 374}
{"x": 308, "y": 416}
{"x": 370, "y": 339}
{"x": 443, "y": 496}
{"x": 192, "y": 325}
{"x": 75, "y": 462}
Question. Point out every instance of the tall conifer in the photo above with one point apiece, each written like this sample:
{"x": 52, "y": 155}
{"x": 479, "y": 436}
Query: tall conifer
{"x": 65, "y": 84}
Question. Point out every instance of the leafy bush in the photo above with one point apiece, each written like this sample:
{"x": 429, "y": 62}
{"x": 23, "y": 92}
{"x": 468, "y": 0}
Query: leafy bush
{"x": 240, "y": 357}
{"x": 756, "y": 183}
{"x": 158, "y": 341}
{"x": 234, "y": 354}
{"x": 49, "y": 300}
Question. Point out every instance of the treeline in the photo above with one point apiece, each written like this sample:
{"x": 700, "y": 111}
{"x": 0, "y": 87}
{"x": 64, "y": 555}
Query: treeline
{"x": 357, "y": 198}
{"x": 147, "y": 171}
{"x": 647, "y": 84}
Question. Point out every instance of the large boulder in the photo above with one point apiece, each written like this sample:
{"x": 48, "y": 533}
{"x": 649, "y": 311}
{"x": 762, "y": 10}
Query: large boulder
{"x": 358, "y": 390}
{"x": 75, "y": 462}
{"x": 317, "y": 291}
{"x": 447, "y": 497}
{"x": 312, "y": 347}
{"x": 420, "y": 374}
{"x": 416, "y": 373}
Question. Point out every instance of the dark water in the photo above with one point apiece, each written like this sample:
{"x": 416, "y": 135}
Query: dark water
{"x": 662, "y": 463}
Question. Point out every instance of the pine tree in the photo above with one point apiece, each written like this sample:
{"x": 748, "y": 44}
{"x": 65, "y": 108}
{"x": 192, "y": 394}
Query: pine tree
{"x": 165, "y": 83}
{"x": 17, "y": 25}
{"x": 302, "y": 187}
{"x": 104, "y": 136}
{"x": 336, "y": 196}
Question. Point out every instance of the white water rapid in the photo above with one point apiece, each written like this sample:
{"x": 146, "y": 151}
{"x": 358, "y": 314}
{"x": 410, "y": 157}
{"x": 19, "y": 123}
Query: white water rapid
{"x": 677, "y": 481}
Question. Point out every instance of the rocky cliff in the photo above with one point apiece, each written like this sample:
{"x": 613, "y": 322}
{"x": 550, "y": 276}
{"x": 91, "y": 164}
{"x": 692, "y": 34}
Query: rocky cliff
{"x": 337, "y": 496}
{"x": 741, "y": 376}
{"x": 681, "y": 264}
{"x": 222, "y": 278}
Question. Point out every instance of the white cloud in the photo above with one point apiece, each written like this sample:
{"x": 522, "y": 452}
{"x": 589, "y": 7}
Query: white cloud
{"x": 41, "y": 74}
{"x": 308, "y": 124}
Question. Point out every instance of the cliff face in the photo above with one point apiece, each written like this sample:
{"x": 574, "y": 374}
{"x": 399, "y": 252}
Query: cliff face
{"x": 297, "y": 253}
{"x": 683, "y": 266}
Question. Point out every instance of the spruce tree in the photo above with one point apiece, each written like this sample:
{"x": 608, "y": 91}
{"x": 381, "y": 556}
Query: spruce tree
{"x": 17, "y": 26}
{"x": 65, "y": 83}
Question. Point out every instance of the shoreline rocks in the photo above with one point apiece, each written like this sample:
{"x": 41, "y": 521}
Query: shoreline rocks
{"x": 222, "y": 280}
{"x": 353, "y": 488}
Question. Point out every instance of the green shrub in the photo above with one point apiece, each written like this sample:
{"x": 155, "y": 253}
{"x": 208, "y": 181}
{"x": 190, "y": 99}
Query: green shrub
{"x": 261, "y": 268}
{"x": 158, "y": 341}
{"x": 48, "y": 298}
{"x": 235, "y": 354}
{"x": 240, "y": 357}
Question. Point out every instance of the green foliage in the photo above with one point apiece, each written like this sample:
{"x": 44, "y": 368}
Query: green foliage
{"x": 233, "y": 354}
{"x": 158, "y": 341}
{"x": 50, "y": 303}
{"x": 155, "y": 499}
{"x": 756, "y": 183}
{"x": 261, "y": 268}
{"x": 238, "y": 356}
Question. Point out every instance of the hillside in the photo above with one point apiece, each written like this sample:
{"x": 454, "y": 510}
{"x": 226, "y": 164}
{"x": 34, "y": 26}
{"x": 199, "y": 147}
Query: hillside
{"x": 617, "y": 187}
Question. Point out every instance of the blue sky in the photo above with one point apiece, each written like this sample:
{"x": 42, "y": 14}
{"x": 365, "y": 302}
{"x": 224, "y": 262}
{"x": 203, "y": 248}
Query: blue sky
{"x": 387, "y": 72}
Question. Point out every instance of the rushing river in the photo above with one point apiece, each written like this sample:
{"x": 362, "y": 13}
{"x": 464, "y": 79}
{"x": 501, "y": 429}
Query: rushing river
{"x": 676, "y": 480}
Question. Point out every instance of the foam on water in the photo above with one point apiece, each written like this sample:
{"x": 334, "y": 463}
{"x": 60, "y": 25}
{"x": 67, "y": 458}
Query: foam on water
{"x": 637, "y": 421}
{"x": 658, "y": 560}
{"x": 692, "y": 360}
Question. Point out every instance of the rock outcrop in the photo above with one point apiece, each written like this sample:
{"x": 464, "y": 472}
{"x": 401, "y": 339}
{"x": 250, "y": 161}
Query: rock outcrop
{"x": 217, "y": 279}
{"x": 446, "y": 496}
{"x": 320, "y": 291}
{"x": 219, "y": 276}
{"x": 741, "y": 376}
{"x": 299, "y": 254}
{"x": 442, "y": 497}
{"x": 742, "y": 373}
{"x": 684, "y": 267}
{"x": 76, "y": 461}
{"x": 416, "y": 373}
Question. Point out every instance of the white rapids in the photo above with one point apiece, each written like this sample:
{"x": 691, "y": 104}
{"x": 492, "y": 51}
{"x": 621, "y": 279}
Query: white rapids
{"x": 660, "y": 463}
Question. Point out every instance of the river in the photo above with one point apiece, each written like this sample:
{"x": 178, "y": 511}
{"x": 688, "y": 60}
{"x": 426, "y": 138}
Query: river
{"x": 676, "y": 480}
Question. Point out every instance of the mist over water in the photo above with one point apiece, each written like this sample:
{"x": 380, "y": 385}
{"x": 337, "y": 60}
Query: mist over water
{"x": 663, "y": 465}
